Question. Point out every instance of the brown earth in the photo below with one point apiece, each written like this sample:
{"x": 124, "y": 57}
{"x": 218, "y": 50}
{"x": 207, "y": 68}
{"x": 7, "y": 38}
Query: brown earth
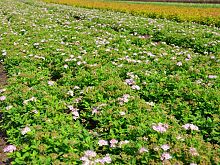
{"x": 3, "y": 158}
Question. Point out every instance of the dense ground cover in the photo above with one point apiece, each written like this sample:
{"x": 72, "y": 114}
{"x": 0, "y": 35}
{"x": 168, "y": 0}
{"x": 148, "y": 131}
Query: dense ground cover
{"x": 207, "y": 16}
{"x": 105, "y": 87}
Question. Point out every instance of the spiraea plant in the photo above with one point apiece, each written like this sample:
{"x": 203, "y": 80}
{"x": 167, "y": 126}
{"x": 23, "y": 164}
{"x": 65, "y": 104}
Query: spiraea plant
{"x": 88, "y": 86}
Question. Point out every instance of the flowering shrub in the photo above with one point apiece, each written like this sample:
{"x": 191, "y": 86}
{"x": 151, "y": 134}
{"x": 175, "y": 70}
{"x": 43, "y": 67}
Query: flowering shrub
{"x": 87, "y": 86}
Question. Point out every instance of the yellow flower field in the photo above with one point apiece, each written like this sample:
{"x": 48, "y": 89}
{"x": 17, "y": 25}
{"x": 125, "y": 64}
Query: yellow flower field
{"x": 209, "y": 16}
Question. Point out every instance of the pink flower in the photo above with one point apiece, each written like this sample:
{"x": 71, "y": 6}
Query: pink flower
{"x": 107, "y": 159}
{"x": 25, "y": 130}
{"x": 160, "y": 127}
{"x": 190, "y": 127}
{"x": 51, "y": 83}
{"x": 71, "y": 107}
{"x": 65, "y": 66}
{"x": 31, "y": 99}
{"x": 136, "y": 87}
{"x": 124, "y": 99}
{"x": 193, "y": 164}
{"x": 99, "y": 161}
{"x": 142, "y": 150}
{"x": 113, "y": 142}
{"x": 2, "y": 98}
{"x": 79, "y": 63}
{"x": 90, "y": 154}
{"x": 150, "y": 103}
{"x": 194, "y": 127}
{"x": 212, "y": 76}
{"x": 165, "y": 147}
{"x": 75, "y": 115}
{"x": 70, "y": 92}
{"x": 73, "y": 110}
{"x": 123, "y": 143}
{"x": 122, "y": 113}
{"x": 103, "y": 143}
{"x": 130, "y": 81}
{"x": 84, "y": 158}
{"x": 179, "y": 63}
{"x": 193, "y": 152}
{"x": 35, "y": 111}
{"x": 77, "y": 100}
{"x": 95, "y": 110}
{"x": 186, "y": 126}
{"x": 165, "y": 156}
{"x": 9, "y": 148}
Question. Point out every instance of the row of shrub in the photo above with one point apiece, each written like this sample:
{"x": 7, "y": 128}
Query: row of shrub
{"x": 207, "y": 16}
{"x": 99, "y": 87}
{"x": 182, "y": 1}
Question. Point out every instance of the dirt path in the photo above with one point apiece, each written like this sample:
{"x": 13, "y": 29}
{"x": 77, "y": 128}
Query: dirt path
{"x": 3, "y": 157}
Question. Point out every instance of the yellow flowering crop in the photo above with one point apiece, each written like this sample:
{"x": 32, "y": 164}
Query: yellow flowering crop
{"x": 201, "y": 15}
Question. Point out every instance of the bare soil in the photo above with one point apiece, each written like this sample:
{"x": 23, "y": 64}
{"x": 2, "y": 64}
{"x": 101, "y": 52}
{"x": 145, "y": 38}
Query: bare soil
{"x": 3, "y": 157}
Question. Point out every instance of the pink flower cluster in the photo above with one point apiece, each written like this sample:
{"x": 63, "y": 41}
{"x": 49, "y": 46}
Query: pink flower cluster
{"x": 193, "y": 152}
{"x": 113, "y": 143}
{"x": 90, "y": 154}
{"x": 124, "y": 99}
{"x": 9, "y": 148}
{"x": 74, "y": 112}
{"x": 31, "y": 99}
{"x": 107, "y": 159}
{"x": 160, "y": 127}
{"x": 95, "y": 110}
{"x": 121, "y": 143}
{"x": 25, "y": 130}
{"x": 212, "y": 76}
{"x": 165, "y": 147}
{"x": 103, "y": 143}
{"x": 51, "y": 83}
{"x": 142, "y": 150}
{"x": 131, "y": 82}
{"x": 70, "y": 92}
{"x": 2, "y": 98}
{"x": 165, "y": 156}
{"x": 136, "y": 87}
{"x": 89, "y": 158}
{"x": 179, "y": 63}
{"x": 150, "y": 103}
{"x": 190, "y": 127}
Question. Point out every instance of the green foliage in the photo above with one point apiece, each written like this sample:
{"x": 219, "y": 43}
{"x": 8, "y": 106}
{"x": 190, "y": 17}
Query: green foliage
{"x": 77, "y": 76}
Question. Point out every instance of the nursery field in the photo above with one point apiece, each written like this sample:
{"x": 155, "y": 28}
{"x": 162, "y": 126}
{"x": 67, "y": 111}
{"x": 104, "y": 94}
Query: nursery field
{"x": 88, "y": 86}
{"x": 207, "y": 15}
